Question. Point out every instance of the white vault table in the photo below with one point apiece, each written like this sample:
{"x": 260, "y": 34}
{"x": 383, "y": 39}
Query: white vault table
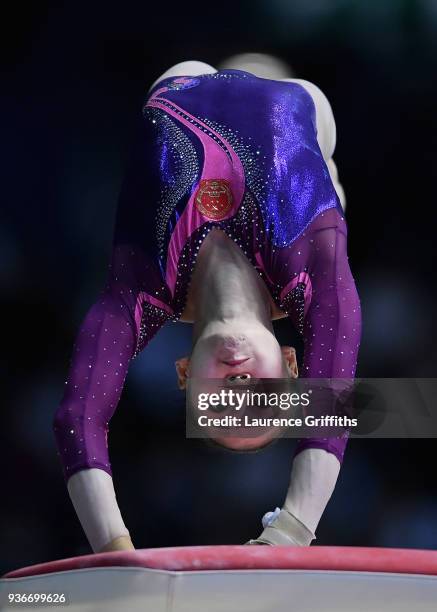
{"x": 231, "y": 579}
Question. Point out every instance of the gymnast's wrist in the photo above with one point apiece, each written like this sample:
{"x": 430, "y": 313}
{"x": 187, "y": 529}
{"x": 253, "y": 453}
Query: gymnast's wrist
{"x": 123, "y": 542}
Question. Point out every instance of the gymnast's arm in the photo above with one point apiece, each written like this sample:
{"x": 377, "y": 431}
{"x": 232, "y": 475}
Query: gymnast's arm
{"x": 115, "y": 329}
{"x": 103, "y": 348}
{"x": 106, "y": 343}
{"x": 332, "y": 331}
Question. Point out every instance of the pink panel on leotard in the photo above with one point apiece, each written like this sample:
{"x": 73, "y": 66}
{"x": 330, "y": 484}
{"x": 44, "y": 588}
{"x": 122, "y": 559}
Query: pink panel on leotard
{"x": 216, "y": 166}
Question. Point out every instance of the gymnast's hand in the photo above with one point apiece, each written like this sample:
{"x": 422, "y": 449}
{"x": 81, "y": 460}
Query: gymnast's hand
{"x": 93, "y": 496}
{"x": 120, "y": 543}
{"x": 282, "y": 528}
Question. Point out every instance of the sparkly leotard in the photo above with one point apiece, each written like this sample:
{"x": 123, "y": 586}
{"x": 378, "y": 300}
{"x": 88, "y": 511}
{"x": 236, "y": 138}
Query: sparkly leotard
{"x": 227, "y": 150}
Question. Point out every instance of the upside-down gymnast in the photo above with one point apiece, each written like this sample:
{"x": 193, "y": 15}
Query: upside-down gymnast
{"x": 230, "y": 216}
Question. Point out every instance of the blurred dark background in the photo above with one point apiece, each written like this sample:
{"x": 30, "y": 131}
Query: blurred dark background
{"x": 74, "y": 76}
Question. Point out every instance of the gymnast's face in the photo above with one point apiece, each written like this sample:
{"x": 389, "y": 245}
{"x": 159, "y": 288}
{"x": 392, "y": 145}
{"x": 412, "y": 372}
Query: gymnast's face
{"x": 238, "y": 358}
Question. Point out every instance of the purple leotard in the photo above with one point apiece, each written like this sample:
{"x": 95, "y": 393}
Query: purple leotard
{"x": 227, "y": 150}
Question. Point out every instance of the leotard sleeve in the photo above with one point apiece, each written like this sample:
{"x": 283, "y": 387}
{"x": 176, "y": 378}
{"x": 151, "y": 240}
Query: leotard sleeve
{"x": 131, "y": 308}
{"x": 325, "y": 307}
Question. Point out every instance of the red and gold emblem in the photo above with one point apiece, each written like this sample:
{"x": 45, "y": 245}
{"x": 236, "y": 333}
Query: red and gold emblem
{"x": 214, "y": 198}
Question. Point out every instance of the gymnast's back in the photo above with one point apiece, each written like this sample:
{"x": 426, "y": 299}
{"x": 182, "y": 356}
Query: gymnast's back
{"x": 228, "y": 150}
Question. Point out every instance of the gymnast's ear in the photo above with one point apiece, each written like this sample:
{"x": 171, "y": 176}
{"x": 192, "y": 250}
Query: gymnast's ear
{"x": 289, "y": 354}
{"x": 182, "y": 370}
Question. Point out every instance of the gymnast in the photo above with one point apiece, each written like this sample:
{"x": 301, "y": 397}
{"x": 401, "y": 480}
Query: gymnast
{"x": 230, "y": 216}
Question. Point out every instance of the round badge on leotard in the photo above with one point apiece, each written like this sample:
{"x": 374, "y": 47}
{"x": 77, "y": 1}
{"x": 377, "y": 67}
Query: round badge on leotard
{"x": 214, "y": 198}
{"x": 183, "y": 83}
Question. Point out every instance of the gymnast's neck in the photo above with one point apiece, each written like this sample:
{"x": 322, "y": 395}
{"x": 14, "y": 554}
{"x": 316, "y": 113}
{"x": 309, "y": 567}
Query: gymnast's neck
{"x": 226, "y": 289}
